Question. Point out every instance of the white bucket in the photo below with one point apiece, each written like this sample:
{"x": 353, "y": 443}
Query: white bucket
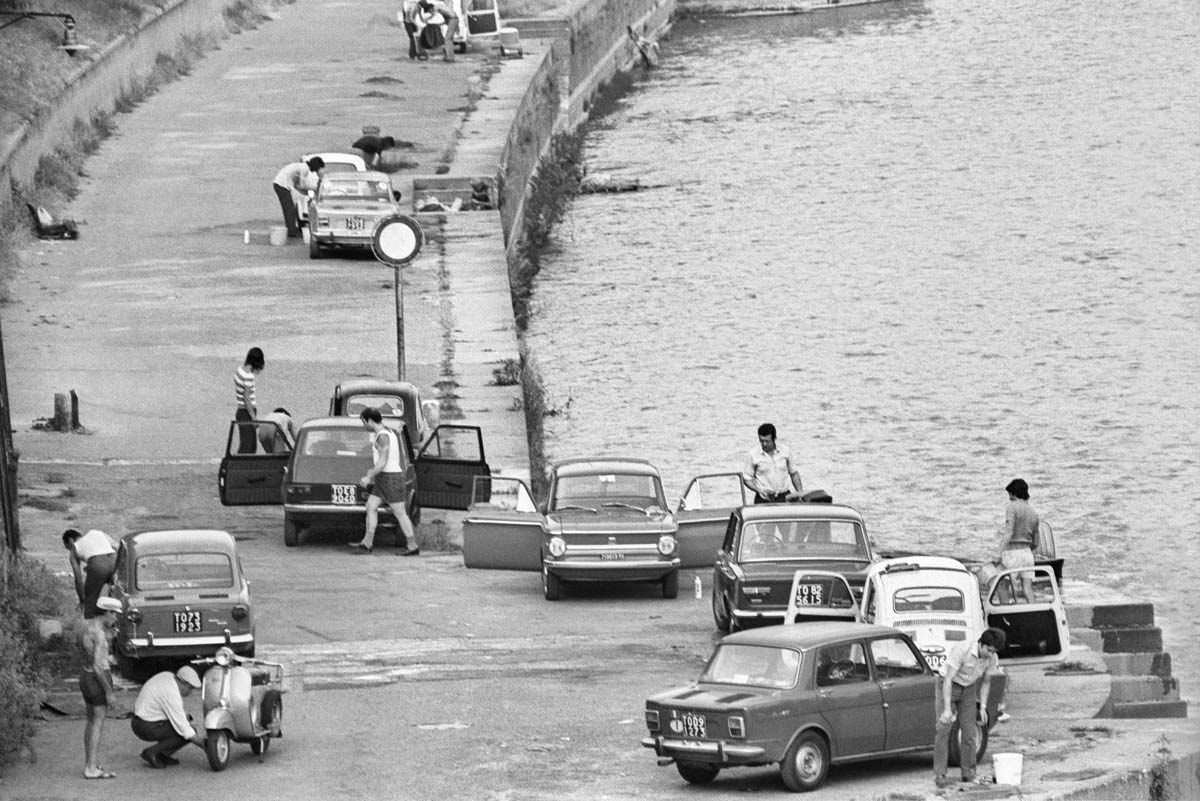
{"x": 1007, "y": 768}
{"x": 278, "y": 235}
{"x": 510, "y": 41}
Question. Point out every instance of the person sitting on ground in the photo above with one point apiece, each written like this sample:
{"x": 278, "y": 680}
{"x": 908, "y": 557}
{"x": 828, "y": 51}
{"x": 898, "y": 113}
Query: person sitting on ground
{"x": 159, "y": 716}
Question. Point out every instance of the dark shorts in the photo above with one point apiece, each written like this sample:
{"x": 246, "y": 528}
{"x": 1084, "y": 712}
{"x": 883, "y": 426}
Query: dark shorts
{"x": 92, "y": 689}
{"x": 389, "y": 487}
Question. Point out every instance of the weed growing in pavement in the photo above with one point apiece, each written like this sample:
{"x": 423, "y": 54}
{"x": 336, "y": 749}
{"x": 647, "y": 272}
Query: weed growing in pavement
{"x": 508, "y": 374}
{"x": 1162, "y": 786}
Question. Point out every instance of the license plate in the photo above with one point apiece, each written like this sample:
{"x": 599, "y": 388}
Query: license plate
{"x": 355, "y": 224}
{"x": 187, "y": 622}
{"x": 810, "y": 595}
{"x": 612, "y": 557}
{"x": 344, "y": 493}
{"x": 694, "y": 726}
{"x": 936, "y": 661}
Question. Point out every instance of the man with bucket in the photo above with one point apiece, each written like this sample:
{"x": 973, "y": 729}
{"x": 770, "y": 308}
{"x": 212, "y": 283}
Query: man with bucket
{"x": 963, "y": 694}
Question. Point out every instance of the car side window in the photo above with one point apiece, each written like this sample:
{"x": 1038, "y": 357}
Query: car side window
{"x": 845, "y": 663}
{"x": 894, "y": 659}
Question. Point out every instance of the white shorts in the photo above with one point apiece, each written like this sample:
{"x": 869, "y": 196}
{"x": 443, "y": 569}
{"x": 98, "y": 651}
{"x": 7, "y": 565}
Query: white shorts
{"x": 1016, "y": 557}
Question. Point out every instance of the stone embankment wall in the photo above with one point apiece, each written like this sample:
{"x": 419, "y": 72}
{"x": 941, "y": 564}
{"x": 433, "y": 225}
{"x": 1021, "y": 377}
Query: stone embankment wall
{"x": 96, "y": 86}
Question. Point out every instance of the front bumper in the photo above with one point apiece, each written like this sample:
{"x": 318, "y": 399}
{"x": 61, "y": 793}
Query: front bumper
{"x": 717, "y": 752}
{"x": 612, "y": 570}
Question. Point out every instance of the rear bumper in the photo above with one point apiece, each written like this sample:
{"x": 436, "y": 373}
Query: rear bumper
{"x": 341, "y": 240}
{"x": 615, "y": 570}
{"x": 777, "y": 615}
{"x": 716, "y": 753}
{"x": 200, "y": 645}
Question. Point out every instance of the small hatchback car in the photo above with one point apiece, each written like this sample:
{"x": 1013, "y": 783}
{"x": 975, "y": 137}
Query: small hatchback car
{"x": 764, "y": 547}
{"x": 804, "y": 697}
{"x": 398, "y": 401}
{"x": 605, "y": 520}
{"x": 183, "y": 594}
{"x": 346, "y": 207}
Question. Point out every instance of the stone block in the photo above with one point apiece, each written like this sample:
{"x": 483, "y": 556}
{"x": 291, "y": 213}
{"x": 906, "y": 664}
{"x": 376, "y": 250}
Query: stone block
{"x": 1126, "y": 640}
{"x": 1130, "y": 615}
{"x": 1139, "y": 664}
{"x": 1125, "y": 689}
{"x": 1149, "y": 709}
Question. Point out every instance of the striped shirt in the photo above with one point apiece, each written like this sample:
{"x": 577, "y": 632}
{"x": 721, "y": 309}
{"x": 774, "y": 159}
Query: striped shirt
{"x": 243, "y": 388}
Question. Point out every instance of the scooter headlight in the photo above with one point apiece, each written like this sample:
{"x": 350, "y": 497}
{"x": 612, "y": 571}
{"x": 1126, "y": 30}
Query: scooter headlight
{"x": 224, "y": 656}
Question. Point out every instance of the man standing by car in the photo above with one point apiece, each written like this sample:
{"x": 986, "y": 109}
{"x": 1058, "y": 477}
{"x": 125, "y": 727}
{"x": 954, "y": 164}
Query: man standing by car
{"x": 965, "y": 684}
{"x": 1020, "y": 537}
{"x": 247, "y": 404}
{"x": 295, "y": 177}
{"x": 385, "y": 483}
{"x": 159, "y": 716}
{"x": 770, "y": 473}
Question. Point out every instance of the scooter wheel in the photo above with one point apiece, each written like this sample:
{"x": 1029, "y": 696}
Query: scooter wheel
{"x": 216, "y": 748}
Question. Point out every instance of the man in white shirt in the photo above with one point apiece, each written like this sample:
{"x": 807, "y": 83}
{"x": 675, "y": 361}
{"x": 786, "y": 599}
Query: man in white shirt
{"x": 93, "y": 558}
{"x": 963, "y": 694}
{"x": 295, "y": 177}
{"x": 770, "y": 473}
{"x": 159, "y": 716}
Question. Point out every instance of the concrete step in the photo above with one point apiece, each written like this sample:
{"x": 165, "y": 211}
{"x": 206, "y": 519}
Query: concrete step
{"x": 1122, "y": 615}
{"x": 1138, "y": 664}
{"x": 1126, "y": 689}
{"x": 1127, "y": 640}
{"x": 1147, "y": 709}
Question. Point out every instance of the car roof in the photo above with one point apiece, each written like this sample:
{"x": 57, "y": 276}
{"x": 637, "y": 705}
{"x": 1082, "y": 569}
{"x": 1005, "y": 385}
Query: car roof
{"x": 807, "y": 635}
{"x": 360, "y": 386}
{"x": 590, "y": 465}
{"x": 175, "y": 540}
{"x": 799, "y": 511}
{"x": 369, "y": 175}
{"x": 339, "y": 158}
{"x": 904, "y": 564}
{"x": 332, "y": 422}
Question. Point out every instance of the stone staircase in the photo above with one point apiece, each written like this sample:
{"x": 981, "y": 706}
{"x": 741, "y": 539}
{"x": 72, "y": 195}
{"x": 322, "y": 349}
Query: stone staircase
{"x": 1125, "y": 636}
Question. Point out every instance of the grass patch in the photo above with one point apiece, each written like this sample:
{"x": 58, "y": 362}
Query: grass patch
{"x": 508, "y": 374}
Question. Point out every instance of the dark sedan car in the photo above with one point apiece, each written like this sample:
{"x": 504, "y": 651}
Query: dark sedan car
{"x": 801, "y": 696}
{"x": 767, "y": 544}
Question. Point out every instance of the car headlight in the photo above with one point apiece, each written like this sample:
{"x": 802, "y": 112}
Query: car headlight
{"x": 558, "y": 547}
{"x": 666, "y": 545}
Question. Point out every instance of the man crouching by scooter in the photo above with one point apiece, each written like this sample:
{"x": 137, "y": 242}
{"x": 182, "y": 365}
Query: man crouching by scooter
{"x": 159, "y": 716}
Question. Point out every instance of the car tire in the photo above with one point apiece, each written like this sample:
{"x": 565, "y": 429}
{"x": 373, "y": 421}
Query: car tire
{"x": 315, "y": 251}
{"x": 670, "y": 585}
{"x": 291, "y": 532}
{"x": 721, "y": 614}
{"x": 696, "y": 772}
{"x": 551, "y": 585}
{"x": 217, "y": 749}
{"x": 955, "y": 750}
{"x": 806, "y": 763}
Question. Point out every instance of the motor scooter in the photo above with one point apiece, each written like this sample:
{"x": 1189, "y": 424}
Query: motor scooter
{"x": 242, "y": 702}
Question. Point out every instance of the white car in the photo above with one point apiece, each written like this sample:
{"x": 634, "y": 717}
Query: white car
{"x": 346, "y": 208}
{"x": 334, "y": 162}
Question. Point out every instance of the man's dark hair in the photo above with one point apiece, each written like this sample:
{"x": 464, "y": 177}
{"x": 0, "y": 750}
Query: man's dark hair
{"x": 1018, "y": 489}
{"x": 69, "y": 536}
{"x": 316, "y": 163}
{"x": 993, "y": 637}
{"x": 767, "y": 430}
{"x": 372, "y": 414}
{"x": 254, "y": 358}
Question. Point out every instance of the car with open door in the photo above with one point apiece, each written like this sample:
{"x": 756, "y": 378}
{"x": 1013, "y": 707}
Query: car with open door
{"x": 604, "y": 520}
{"x": 317, "y": 481}
{"x": 399, "y": 403}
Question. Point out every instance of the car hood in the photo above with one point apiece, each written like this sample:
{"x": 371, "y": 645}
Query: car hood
{"x": 609, "y": 522}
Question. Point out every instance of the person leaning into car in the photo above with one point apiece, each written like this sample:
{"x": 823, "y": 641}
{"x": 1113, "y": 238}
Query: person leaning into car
{"x": 385, "y": 483}
{"x": 770, "y": 473}
{"x": 93, "y": 558}
{"x": 965, "y": 684}
{"x": 295, "y": 177}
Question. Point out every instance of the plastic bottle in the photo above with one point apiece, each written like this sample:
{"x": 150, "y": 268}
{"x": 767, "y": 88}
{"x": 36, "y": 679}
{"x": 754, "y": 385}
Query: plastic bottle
{"x": 698, "y": 586}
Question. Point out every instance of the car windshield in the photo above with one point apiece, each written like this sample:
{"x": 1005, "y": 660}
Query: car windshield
{"x": 331, "y": 455}
{"x": 178, "y": 571}
{"x": 597, "y": 489}
{"x": 753, "y": 665}
{"x": 927, "y": 599}
{"x": 361, "y": 189}
{"x": 802, "y": 539}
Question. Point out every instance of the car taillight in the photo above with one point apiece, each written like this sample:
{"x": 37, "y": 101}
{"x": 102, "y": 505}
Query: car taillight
{"x": 737, "y": 726}
{"x": 240, "y": 612}
{"x": 299, "y": 490}
{"x": 652, "y": 720}
{"x": 755, "y": 591}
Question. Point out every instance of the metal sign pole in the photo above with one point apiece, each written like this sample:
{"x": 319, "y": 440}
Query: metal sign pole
{"x": 397, "y": 241}
{"x": 399, "y": 325}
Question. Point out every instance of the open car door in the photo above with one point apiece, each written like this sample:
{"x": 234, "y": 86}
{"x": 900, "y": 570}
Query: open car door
{"x": 503, "y": 527}
{"x": 447, "y": 465}
{"x": 703, "y": 516}
{"x": 1026, "y": 604}
{"x": 256, "y": 456}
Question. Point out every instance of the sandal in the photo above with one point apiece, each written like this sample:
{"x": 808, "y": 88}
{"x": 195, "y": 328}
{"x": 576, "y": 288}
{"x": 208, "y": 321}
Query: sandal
{"x": 100, "y": 774}
{"x": 362, "y": 549}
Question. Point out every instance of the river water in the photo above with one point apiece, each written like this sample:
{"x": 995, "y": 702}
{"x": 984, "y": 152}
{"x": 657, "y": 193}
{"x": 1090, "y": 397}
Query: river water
{"x": 939, "y": 244}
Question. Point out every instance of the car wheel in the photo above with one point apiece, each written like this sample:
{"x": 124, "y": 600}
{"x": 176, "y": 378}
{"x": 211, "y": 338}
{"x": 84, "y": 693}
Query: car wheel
{"x": 720, "y": 612}
{"x": 216, "y": 748}
{"x": 806, "y": 763}
{"x": 551, "y": 585}
{"x": 291, "y": 532}
{"x": 670, "y": 585}
{"x": 314, "y": 247}
{"x": 955, "y": 751}
{"x": 696, "y": 772}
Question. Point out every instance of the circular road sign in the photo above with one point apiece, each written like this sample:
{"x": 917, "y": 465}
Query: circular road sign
{"x": 397, "y": 240}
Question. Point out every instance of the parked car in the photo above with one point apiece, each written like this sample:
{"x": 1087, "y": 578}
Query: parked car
{"x": 804, "y": 697}
{"x": 604, "y": 520}
{"x": 183, "y": 595}
{"x": 345, "y": 208}
{"x": 398, "y": 401}
{"x": 939, "y": 603}
{"x": 317, "y": 482}
{"x": 334, "y": 162}
{"x": 764, "y": 547}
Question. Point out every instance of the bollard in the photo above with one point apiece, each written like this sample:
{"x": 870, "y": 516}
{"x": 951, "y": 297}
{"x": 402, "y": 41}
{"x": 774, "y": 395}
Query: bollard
{"x": 62, "y": 415}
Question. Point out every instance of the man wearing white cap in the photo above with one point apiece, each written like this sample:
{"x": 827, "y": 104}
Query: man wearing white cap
{"x": 159, "y": 716}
